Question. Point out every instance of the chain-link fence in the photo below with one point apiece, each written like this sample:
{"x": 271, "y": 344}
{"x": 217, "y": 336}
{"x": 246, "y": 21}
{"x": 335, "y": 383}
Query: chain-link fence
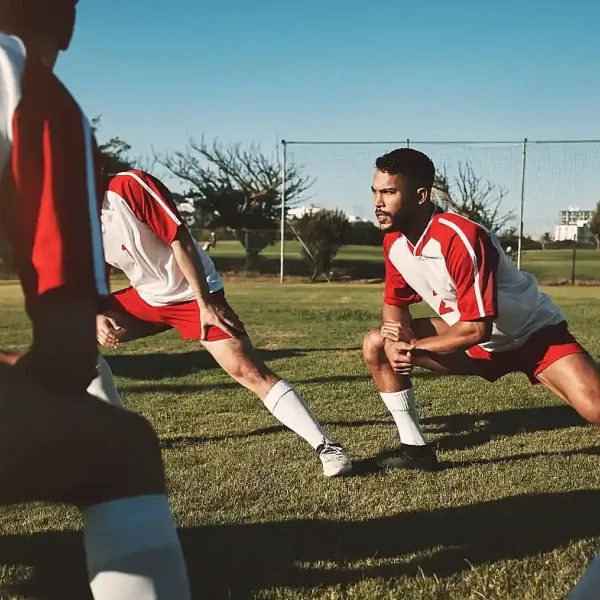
{"x": 529, "y": 182}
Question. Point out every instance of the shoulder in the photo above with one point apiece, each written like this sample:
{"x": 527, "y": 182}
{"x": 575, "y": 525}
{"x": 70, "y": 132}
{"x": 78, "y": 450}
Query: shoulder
{"x": 13, "y": 58}
{"x": 389, "y": 239}
{"x": 449, "y": 227}
{"x": 12, "y": 50}
{"x": 135, "y": 180}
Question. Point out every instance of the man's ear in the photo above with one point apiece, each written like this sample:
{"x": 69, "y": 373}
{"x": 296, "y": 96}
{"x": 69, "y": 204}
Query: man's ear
{"x": 424, "y": 195}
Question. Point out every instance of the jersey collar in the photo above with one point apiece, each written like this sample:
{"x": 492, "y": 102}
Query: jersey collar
{"x": 417, "y": 249}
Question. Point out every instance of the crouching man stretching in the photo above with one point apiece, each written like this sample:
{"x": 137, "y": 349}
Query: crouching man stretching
{"x": 493, "y": 319}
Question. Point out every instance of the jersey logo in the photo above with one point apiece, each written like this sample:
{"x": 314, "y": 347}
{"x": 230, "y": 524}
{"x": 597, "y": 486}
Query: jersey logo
{"x": 444, "y": 308}
{"x": 125, "y": 250}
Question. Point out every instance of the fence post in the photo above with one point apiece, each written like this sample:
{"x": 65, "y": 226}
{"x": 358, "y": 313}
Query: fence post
{"x": 574, "y": 259}
{"x": 520, "y": 250}
{"x": 283, "y": 190}
{"x": 407, "y": 142}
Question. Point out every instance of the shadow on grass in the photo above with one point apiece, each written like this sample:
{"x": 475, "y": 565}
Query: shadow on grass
{"x": 186, "y": 388}
{"x": 591, "y": 451}
{"x": 178, "y": 441}
{"x": 463, "y": 431}
{"x": 164, "y": 365}
{"x": 470, "y": 430}
{"x": 234, "y": 561}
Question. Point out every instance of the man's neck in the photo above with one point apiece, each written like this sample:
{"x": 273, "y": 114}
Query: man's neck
{"x": 419, "y": 223}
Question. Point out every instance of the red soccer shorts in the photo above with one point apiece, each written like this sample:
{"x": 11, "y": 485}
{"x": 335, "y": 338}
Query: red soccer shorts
{"x": 184, "y": 316}
{"x": 542, "y": 349}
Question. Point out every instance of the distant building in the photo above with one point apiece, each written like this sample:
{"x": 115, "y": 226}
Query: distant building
{"x": 574, "y": 216}
{"x": 574, "y": 224}
{"x": 300, "y": 211}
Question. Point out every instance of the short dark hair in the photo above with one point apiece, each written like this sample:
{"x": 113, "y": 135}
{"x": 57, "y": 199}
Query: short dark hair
{"x": 35, "y": 18}
{"x": 408, "y": 162}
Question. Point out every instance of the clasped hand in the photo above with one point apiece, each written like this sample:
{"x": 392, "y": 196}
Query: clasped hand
{"x": 399, "y": 343}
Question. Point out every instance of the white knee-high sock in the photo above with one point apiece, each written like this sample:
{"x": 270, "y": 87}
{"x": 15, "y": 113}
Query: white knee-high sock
{"x": 403, "y": 406}
{"x": 133, "y": 552}
{"x": 103, "y": 386}
{"x": 288, "y": 406}
{"x": 589, "y": 585}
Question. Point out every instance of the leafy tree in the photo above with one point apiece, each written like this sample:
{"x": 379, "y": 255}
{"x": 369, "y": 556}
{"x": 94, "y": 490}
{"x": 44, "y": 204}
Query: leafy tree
{"x": 323, "y": 232}
{"x": 473, "y": 197}
{"x": 364, "y": 233}
{"x": 238, "y": 188}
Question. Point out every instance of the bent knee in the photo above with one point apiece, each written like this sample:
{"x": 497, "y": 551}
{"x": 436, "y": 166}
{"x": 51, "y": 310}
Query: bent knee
{"x": 127, "y": 462}
{"x": 372, "y": 345}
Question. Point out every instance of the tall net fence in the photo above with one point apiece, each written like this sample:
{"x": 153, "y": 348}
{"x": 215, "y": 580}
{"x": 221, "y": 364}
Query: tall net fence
{"x": 531, "y": 182}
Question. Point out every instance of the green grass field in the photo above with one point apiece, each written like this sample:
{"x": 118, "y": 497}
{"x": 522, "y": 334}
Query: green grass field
{"x": 511, "y": 515}
{"x": 546, "y": 265}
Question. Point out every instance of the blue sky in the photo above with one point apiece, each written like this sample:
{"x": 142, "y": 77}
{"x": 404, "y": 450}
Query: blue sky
{"x": 258, "y": 72}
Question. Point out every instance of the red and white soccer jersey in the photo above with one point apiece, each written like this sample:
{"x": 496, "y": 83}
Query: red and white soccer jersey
{"x": 460, "y": 270}
{"x": 139, "y": 223}
{"x": 49, "y": 198}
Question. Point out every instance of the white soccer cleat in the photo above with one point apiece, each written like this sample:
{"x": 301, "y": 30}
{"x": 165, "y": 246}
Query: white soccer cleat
{"x": 335, "y": 459}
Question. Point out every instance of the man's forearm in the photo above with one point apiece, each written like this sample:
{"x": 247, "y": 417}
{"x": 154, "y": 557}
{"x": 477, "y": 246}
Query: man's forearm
{"x": 190, "y": 263}
{"x": 399, "y": 314}
{"x": 458, "y": 338}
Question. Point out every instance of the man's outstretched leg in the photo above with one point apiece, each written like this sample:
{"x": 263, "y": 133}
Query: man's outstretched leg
{"x": 78, "y": 450}
{"x": 575, "y": 378}
{"x": 238, "y": 358}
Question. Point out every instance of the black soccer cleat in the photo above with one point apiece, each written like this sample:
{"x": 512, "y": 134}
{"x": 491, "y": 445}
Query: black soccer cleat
{"x": 423, "y": 458}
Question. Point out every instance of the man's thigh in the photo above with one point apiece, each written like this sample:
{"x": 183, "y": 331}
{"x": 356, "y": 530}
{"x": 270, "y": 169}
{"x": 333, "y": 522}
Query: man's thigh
{"x": 72, "y": 448}
{"x": 185, "y": 317}
{"x": 136, "y": 318}
{"x": 457, "y": 363}
{"x": 575, "y": 378}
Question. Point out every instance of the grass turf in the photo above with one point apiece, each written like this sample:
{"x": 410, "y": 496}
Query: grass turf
{"x": 512, "y": 514}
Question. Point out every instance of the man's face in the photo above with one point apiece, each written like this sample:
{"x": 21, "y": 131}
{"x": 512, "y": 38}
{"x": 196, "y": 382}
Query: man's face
{"x": 395, "y": 200}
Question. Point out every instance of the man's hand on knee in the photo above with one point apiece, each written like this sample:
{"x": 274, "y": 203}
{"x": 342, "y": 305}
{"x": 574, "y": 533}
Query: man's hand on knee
{"x": 107, "y": 332}
{"x": 394, "y": 331}
{"x": 399, "y": 355}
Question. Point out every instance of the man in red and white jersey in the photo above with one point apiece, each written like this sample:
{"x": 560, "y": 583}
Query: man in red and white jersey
{"x": 493, "y": 319}
{"x": 174, "y": 284}
{"x": 60, "y": 444}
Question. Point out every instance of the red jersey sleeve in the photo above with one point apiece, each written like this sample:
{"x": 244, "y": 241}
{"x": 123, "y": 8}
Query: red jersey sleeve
{"x": 150, "y": 201}
{"x": 54, "y": 222}
{"x": 397, "y": 291}
{"x": 472, "y": 261}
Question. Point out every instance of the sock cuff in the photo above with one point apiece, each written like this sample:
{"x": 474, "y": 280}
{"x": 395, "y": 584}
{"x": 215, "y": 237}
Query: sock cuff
{"x": 396, "y": 401}
{"x": 128, "y": 526}
{"x": 276, "y": 393}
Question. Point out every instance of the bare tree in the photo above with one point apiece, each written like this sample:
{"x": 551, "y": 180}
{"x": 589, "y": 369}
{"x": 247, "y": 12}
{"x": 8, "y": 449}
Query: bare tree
{"x": 238, "y": 188}
{"x": 471, "y": 196}
{"x": 116, "y": 154}
{"x": 595, "y": 225}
